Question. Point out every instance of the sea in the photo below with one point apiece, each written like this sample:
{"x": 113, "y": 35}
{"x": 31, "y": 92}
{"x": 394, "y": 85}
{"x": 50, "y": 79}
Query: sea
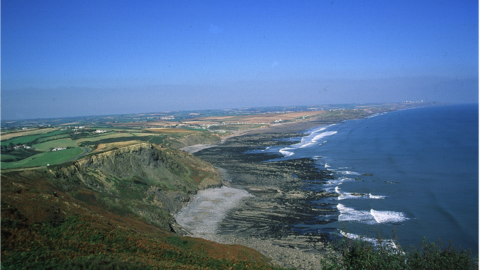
{"x": 404, "y": 175}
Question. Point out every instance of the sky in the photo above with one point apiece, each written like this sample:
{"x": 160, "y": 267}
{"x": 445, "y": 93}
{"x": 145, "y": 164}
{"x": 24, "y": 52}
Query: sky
{"x": 81, "y": 57}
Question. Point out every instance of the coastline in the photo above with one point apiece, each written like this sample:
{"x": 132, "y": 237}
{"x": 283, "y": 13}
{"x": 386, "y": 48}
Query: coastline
{"x": 264, "y": 221}
{"x": 282, "y": 127}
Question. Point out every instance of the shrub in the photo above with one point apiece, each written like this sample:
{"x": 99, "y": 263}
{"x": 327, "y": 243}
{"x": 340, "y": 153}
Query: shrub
{"x": 361, "y": 254}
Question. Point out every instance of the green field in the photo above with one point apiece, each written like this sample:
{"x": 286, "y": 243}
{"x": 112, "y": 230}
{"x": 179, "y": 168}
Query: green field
{"x": 6, "y": 157}
{"x": 43, "y": 159}
{"x": 44, "y": 139}
{"x": 54, "y": 144}
{"x": 31, "y": 138}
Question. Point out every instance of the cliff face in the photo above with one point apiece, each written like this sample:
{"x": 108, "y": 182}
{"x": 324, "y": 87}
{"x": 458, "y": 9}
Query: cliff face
{"x": 145, "y": 180}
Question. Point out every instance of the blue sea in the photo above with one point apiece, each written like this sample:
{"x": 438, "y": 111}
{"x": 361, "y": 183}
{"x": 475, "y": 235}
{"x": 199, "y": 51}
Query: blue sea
{"x": 414, "y": 170}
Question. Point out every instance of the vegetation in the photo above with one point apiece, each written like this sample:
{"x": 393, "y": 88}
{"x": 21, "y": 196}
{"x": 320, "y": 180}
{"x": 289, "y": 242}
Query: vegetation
{"x": 43, "y": 159}
{"x": 86, "y": 242}
{"x": 6, "y": 157}
{"x": 235, "y": 127}
{"x": 9, "y": 134}
{"x": 48, "y": 146}
{"x": 59, "y": 136}
{"x": 31, "y": 139}
{"x": 360, "y": 254}
{"x": 73, "y": 216}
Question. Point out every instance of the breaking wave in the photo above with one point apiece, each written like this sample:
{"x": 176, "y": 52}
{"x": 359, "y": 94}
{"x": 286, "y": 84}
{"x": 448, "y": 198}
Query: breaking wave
{"x": 347, "y": 195}
{"x": 312, "y": 139}
{"x": 383, "y": 242}
{"x": 369, "y": 217}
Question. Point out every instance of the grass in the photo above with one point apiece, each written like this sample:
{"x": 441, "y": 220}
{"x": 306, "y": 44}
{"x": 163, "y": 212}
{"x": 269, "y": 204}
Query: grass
{"x": 43, "y": 159}
{"x": 59, "y": 136}
{"x": 7, "y": 157}
{"x": 46, "y": 146}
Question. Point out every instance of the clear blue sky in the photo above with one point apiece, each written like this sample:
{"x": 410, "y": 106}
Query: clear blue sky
{"x": 80, "y": 57}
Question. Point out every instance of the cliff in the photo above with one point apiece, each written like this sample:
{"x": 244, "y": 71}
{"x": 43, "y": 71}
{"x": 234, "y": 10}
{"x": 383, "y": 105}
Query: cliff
{"x": 112, "y": 211}
{"x": 144, "y": 179}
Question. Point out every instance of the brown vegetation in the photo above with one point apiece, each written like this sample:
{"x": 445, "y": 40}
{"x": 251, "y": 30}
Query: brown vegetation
{"x": 46, "y": 224}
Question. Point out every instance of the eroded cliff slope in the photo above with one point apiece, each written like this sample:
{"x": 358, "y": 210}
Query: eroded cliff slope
{"x": 143, "y": 179}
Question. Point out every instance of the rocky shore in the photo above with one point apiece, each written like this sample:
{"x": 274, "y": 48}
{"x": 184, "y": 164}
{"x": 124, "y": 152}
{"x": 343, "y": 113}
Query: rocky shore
{"x": 269, "y": 220}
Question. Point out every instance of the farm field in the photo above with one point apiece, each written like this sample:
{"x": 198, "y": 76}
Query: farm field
{"x": 262, "y": 118}
{"x": 7, "y": 136}
{"x": 94, "y": 138}
{"x": 43, "y": 159}
{"x": 59, "y": 136}
{"x": 31, "y": 138}
{"x": 170, "y": 130}
{"x": 6, "y": 157}
{"x": 234, "y": 127}
{"x": 45, "y": 146}
{"x": 142, "y": 124}
{"x": 109, "y": 146}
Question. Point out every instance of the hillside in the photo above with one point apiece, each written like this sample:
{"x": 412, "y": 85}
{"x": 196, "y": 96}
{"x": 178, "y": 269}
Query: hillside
{"x": 111, "y": 208}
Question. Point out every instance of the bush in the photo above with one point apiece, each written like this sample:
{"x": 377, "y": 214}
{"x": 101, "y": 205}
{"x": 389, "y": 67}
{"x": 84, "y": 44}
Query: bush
{"x": 361, "y": 254}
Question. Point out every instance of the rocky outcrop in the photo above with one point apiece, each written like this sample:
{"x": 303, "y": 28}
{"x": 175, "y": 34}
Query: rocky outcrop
{"x": 146, "y": 180}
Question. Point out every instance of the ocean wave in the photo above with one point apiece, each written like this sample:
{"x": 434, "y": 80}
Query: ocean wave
{"x": 388, "y": 216}
{"x": 312, "y": 139}
{"x": 377, "y": 114}
{"x": 376, "y": 196}
{"x": 347, "y": 195}
{"x": 350, "y": 214}
{"x": 337, "y": 181}
{"x": 369, "y": 217}
{"x": 390, "y": 243}
{"x": 347, "y": 172}
{"x": 286, "y": 153}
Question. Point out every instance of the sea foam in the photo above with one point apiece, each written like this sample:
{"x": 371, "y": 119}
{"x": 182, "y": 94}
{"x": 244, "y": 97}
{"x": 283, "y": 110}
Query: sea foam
{"x": 312, "y": 139}
{"x": 369, "y": 217}
{"x": 347, "y": 195}
{"x": 383, "y": 242}
{"x": 387, "y": 216}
